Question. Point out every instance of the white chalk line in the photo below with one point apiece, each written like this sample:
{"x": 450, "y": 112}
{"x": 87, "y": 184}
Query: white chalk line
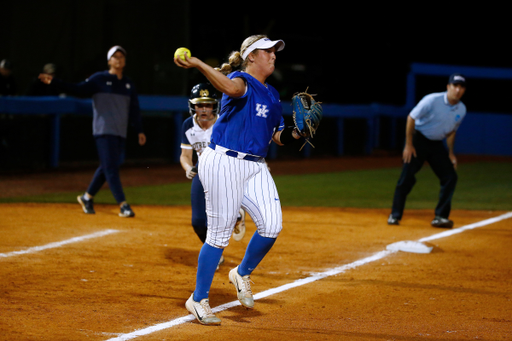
{"x": 58, "y": 244}
{"x": 314, "y": 277}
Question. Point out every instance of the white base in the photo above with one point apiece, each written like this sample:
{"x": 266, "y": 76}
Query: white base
{"x": 409, "y": 246}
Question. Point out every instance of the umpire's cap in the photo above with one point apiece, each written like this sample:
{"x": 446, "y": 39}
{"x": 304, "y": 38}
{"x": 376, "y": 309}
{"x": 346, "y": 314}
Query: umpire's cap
{"x": 457, "y": 78}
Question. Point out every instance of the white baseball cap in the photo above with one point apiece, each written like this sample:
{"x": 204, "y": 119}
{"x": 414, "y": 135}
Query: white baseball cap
{"x": 113, "y": 50}
{"x": 263, "y": 44}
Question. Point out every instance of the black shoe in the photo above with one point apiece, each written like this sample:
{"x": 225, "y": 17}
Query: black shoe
{"x": 126, "y": 211}
{"x": 393, "y": 221}
{"x": 442, "y": 222}
{"x": 87, "y": 205}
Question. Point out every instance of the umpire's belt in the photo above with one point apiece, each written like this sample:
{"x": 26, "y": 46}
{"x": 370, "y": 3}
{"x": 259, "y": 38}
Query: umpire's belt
{"x": 238, "y": 155}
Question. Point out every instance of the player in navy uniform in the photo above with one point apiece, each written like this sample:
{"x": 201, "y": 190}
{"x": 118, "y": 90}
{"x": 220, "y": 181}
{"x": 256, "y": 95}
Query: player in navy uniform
{"x": 115, "y": 104}
{"x": 435, "y": 118}
{"x": 233, "y": 169}
{"x": 196, "y": 132}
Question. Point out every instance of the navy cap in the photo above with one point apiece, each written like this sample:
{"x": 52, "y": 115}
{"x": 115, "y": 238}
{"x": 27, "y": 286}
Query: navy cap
{"x": 457, "y": 78}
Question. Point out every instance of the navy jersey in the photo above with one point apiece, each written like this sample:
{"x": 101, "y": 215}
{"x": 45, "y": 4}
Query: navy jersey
{"x": 246, "y": 124}
{"x": 115, "y": 102}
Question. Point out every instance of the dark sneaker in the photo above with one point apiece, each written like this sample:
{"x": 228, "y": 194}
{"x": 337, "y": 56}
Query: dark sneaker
{"x": 126, "y": 211}
{"x": 393, "y": 221}
{"x": 442, "y": 222}
{"x": 87, "y": 205}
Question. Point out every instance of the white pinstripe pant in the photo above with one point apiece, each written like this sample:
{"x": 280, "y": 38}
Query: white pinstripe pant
{"x": 230, "y": 183}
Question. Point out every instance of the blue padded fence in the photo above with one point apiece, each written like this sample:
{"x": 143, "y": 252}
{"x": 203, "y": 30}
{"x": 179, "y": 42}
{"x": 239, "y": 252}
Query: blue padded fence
{"x": 480, "y": 133}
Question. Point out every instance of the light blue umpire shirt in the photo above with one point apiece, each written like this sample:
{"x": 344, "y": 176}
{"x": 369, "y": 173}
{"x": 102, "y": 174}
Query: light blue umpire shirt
{"x": 435, "y": 117}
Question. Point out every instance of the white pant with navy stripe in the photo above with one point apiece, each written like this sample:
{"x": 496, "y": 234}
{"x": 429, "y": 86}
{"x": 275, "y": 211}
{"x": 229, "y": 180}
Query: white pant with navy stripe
{"x": 230, "y": 183}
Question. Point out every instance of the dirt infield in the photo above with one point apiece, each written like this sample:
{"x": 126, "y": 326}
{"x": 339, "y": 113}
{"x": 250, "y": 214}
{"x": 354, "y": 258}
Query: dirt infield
{"x": 140, "y": 276}
{"x": 141, "y": 271}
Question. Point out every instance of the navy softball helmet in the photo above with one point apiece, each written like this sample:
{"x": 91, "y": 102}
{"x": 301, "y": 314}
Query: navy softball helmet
{"x": 203, "y": 93}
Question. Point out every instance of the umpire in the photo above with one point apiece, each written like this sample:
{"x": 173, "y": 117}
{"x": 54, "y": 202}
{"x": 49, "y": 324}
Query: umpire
{"x": 436, "y": 117}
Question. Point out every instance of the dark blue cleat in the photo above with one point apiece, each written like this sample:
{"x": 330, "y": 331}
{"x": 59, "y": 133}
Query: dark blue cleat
{"x": 87, "y": 205}
{"x": 126, "y": 211}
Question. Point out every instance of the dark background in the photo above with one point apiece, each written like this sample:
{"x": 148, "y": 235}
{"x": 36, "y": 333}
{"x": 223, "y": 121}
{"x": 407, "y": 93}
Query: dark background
{"x": 344, "y": 52}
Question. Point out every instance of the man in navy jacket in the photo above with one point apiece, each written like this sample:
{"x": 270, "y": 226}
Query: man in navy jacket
{"x": 115, "y": 105}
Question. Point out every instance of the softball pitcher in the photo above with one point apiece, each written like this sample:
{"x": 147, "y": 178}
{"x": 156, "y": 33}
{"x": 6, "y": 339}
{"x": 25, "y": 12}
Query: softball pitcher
{"x": 233, "y": 169}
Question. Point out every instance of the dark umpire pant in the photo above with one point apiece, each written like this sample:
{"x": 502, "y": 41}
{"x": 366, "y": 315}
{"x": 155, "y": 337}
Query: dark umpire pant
{"x": 436, "y": 154}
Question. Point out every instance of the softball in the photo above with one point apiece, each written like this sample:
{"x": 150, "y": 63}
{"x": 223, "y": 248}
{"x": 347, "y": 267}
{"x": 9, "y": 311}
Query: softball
{"x": 180, "y": 52}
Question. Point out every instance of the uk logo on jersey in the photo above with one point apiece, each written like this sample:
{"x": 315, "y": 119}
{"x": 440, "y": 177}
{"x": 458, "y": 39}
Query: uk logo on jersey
{"x": 261, "y": 110}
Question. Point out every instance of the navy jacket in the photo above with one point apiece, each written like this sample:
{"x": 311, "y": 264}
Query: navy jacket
{"x": 115, "y": 102}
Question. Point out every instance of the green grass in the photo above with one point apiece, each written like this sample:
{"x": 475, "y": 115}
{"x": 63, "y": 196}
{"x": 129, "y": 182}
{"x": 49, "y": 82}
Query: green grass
{"x": 483, "y": 186}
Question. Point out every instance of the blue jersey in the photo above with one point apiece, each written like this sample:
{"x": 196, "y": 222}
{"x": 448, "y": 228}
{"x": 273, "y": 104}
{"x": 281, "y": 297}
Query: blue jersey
{"x": 246, "y": 124}
{"x": 114, "y": 102}
{"x": 435, "y": 117}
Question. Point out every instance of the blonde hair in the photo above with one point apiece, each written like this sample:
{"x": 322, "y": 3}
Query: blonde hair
{"x": 235, "y": 58}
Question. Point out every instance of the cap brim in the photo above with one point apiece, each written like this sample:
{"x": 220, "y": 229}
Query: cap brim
{"x": 264, "y": 44}
{"x": 206, "y": 100}
{"x": 278, "y": 44}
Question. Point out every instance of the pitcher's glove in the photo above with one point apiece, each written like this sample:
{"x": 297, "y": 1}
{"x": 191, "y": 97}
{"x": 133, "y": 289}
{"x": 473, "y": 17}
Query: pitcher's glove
{"x": 307, "y": 114}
